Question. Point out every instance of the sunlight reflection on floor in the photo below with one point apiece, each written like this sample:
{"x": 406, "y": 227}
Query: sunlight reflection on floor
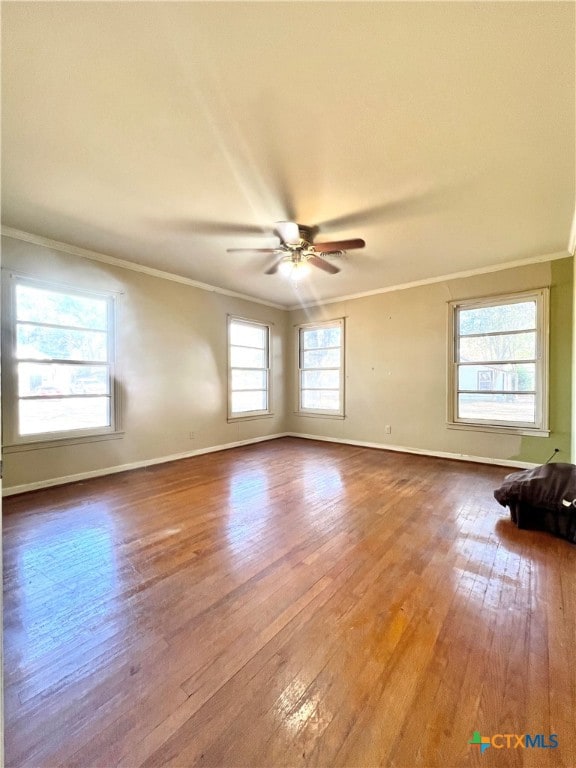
{"x": 71, "y": 558}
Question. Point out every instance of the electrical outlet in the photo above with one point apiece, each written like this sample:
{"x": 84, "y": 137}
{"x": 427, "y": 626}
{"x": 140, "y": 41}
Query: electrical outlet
{"x": 192, "y": 435}
{"x": 388, "y": 429}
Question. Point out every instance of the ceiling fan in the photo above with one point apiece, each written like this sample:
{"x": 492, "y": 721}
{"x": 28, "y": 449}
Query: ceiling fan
{"x": 297, "y": 250}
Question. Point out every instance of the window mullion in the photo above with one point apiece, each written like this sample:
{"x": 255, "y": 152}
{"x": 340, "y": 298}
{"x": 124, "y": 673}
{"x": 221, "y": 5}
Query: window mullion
{"x": 478, "y": 363}
{"x": 60, "y": 327}
{"x": 62, "y": 361}
{"x": 492, "y": 334}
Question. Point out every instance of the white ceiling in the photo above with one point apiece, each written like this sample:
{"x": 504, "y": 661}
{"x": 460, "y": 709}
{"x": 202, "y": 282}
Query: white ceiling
{"x": 441, "y": 133}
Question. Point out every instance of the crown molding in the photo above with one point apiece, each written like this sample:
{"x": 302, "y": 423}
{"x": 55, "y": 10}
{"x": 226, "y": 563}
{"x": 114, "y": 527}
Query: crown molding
{"x": 440, "y": 279}
{"x": 84, "y": 253}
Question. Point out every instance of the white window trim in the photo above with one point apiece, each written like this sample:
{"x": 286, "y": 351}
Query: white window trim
{"x": 15, "y": 442}
{"x": 247, "y": 415}
{"x": 541, "y": 427}
{"x": 317, "y": 412}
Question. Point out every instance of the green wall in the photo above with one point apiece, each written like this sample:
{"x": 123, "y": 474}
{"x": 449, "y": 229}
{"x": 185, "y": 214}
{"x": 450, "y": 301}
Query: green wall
{"x": 539, "y": 449}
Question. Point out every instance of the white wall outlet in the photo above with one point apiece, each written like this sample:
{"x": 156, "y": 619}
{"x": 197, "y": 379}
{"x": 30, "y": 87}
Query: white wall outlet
{"x": 388, "y": 429}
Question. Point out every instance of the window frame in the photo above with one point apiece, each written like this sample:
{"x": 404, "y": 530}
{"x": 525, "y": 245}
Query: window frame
{"x": 16, "y": 441}
{"x": 321, "y": 412}
{"x": 257, "y": 414}
{"x": 540, "y": 427}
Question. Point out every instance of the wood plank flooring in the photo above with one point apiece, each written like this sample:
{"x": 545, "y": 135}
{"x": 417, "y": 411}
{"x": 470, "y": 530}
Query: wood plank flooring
{"x": 291, "y": 603}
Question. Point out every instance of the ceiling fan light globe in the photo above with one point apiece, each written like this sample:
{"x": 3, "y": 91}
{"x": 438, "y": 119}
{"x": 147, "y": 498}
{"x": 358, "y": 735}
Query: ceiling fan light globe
{"x": 286, "y": 267}
{"x": 300, "y": 269}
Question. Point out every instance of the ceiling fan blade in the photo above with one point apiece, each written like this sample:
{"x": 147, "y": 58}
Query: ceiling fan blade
{"x": 273, "y": 268}
{"x": 254, "y": 250}
{"x": 324, "y": 265}
{"x": 289, "y": 232}
{"x": 367, "y": 215}
{"x": 205, "y": 227}
{"x": 339, "y": 245}
{"x": 417, "y": 203}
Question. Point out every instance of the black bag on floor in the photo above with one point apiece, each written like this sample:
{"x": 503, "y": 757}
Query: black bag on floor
{"x": 542, "y": 499}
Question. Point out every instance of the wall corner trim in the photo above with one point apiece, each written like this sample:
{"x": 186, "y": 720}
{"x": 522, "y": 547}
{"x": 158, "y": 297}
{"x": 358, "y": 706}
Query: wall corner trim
{"x": 572, "y": 239}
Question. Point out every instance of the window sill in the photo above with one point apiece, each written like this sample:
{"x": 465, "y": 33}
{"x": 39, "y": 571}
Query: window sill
{"x": 339, "y": 416}
{"x": 249, "y": 417}
{"x": 499, "y": 429}
{"x": 60, "y": 442}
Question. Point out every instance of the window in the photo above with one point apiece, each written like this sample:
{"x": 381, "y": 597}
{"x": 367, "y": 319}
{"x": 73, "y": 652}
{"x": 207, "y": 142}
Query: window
{"x": 248, "y": 368}
{"x": 499, "y": 362}
{"x": 61, "y": 345}
{"x": 321, "y": 368}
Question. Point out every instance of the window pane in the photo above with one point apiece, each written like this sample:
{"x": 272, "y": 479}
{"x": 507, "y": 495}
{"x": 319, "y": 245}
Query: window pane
{"x": 506, "y": 317}
{"x": 321, "y": 358}
{"x": 248, "y": 401}
{"x": 321, "y": 337}
{"x": 39, "y": 305}
{"x": 242, "y": 379}
{"x": 517, "y": 346}
{"x": 248, "y": 335}
{"x": 41, "y": 416}
{"x": 321, "y": 379}
{"x": 49, "y": 379}
{"x": 326, "y": 400}
{"x": 497, "y": 407}
{"x": 37, "y": 342}
{"x": 510, "y": 378}
{"x": 242, "y": 357}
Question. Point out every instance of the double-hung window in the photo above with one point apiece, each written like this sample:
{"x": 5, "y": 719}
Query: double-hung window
{"x": 499, "y": 353}
{"x": 248, "y": 368}
{"x": 61, "y": 376}
{"x": 321, "y": 368}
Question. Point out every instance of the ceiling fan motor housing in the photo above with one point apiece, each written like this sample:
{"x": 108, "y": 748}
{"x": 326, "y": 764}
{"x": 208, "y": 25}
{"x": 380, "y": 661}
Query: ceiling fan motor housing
{"x": 307, "y": 233}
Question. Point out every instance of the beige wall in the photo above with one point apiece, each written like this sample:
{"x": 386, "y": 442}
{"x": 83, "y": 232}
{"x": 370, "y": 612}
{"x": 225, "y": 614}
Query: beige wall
{"x": 172, "y": 372}
{"x": 172, "y": 353}
{"x": 396, "y": 367}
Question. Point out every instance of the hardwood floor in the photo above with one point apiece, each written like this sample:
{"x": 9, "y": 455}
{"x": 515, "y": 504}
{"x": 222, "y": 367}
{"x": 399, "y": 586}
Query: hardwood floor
{"x": 286, "y": 604}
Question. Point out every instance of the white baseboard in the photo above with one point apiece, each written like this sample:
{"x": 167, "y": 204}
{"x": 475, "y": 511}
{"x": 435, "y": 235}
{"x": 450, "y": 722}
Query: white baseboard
{"x": 11, "y": 491}
{"x": 419, "y": 451}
